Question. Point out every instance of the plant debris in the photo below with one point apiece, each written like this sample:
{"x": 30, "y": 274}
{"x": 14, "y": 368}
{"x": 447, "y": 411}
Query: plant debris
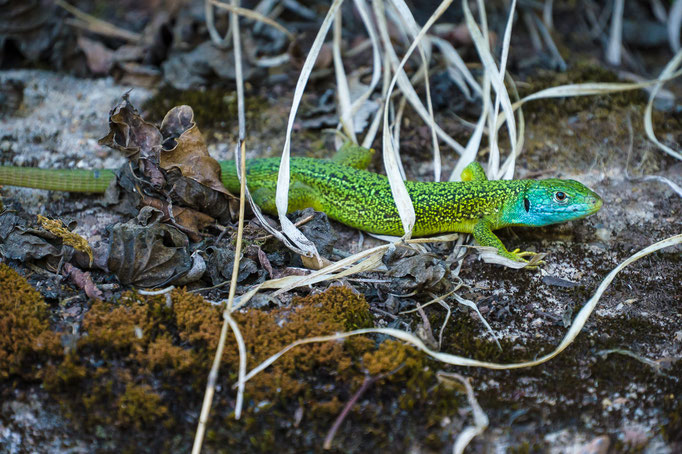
{"x": 147, "y": 253}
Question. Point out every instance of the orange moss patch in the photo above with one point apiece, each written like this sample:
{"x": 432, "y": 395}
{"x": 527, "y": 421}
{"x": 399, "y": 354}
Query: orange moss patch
{"x": 141, "y": 364}
{"x": 341, "y": 305}
{"x": 134, "y": 356}
{"x": 265, "y": 333}
{"x": 198, "y": 322}
{"x": 404, "y": 364}
{"x": 115, "y": 330}
{"x": 26, "y": 340}
{"x": 162, "y": 354}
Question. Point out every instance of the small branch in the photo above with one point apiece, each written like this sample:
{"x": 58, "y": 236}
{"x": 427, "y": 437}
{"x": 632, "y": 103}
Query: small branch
{"x": 95, "y": 25}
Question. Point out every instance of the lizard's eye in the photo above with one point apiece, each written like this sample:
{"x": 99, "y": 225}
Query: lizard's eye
{"x": 560, "y": 197}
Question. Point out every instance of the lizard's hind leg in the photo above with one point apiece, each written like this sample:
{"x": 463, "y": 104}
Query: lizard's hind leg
{"x": 353, "y": 155}
{"x": 474, "y": 172}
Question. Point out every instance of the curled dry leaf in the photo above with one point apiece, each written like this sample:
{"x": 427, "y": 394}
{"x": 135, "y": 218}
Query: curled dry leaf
{"x": 184, "y": 148}
{"x": 19, "y": 243}
{"x": 413, "y": 271}
{"x": 176, "y": 164}
{"x": 148, "y": 255}
{"x": 316, "y": 227}
{"x": 220, "y": 261}
{"x": 132, "y": 135}
{"x": 199, "y": 186}
{"x": 190, "y": 193}
{"x": 21, "y": 240}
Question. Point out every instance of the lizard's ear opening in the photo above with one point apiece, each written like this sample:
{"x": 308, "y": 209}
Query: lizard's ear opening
{"x": 526, "y": 204}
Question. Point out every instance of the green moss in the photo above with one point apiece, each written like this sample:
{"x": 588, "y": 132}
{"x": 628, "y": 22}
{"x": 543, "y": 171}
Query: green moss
{"x": 162, "y": 355}
{"x": 332, "y": 311}
{"x": 26, "y": 341}
{"x": 69, "y": 373}
{"x": 197, "y": 322}
{"x": 130, "y": 362}
{"x": 581, "y": 72}
{"x": 213, "y": 108}
{"x": 395, "y": 358}
{"x": 140, "y": 366}
{"x": 134, "y": 355}
{"x": 115, "y": 330}
{"x": 672, "y": 406}
{"x": 465, "y": 336}
{"x": 139, "y": 405}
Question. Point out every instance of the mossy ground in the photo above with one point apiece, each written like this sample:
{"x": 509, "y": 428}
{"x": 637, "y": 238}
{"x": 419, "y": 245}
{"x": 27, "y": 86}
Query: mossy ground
{"x": 26, "y": 341}
{"x": 136, "y": 375}
{"x": 217, "y": 111}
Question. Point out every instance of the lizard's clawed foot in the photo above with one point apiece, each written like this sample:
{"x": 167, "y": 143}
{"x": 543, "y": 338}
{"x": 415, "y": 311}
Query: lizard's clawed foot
{"x": 519, "y": 256}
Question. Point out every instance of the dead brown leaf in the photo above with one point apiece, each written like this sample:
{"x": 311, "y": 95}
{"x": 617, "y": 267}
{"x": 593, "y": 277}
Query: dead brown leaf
{"x": 100, "y": 59}
{"x": 189, "y": 220}
{"x": 184, "y": 148}
{"x": 149, "y": 255}
{"x": 130, "y": 134}
{"x": 178, "y": 176}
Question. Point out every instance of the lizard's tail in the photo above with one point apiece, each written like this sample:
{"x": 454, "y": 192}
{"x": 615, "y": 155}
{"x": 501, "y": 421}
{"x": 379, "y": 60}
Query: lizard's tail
{"x": 229, "y": 178}
{"x": 71, "y": 180}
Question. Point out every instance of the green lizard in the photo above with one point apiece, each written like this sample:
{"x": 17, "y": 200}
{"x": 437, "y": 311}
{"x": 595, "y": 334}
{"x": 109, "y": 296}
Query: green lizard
{"x": 348, "y": 193}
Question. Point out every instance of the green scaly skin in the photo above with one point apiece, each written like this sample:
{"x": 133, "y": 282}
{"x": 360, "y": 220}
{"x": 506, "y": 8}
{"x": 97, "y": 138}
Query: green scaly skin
{"x": 361, "y": 199}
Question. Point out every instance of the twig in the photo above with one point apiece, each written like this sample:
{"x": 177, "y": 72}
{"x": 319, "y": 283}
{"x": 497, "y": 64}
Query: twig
{"x": 251, "y": 14}
{"x": 305, "y": 220}
{"x": 367, "y": 382}
{"x": 99, "y": 26}
{"x": 156, "y": 292}
{"x": 228, "y": 321}
{"x": 83, "y": 280}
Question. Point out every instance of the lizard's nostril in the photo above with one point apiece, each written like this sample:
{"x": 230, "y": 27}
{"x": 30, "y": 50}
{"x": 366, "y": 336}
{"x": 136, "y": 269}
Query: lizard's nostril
{"x": 596, "y": 202}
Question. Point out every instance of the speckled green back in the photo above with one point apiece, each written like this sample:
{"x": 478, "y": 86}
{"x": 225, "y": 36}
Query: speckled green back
{"x": 363, "y": 199}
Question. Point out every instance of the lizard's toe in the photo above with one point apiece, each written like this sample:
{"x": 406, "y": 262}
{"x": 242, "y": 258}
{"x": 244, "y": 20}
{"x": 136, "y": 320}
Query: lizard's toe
{"x": 519, "y": 256}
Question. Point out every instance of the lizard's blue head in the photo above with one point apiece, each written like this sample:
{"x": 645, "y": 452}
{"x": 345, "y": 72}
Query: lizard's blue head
{"x": 551, "y": 201}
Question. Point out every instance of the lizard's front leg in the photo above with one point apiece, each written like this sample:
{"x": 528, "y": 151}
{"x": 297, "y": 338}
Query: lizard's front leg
{"x": 483, "y": 234}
